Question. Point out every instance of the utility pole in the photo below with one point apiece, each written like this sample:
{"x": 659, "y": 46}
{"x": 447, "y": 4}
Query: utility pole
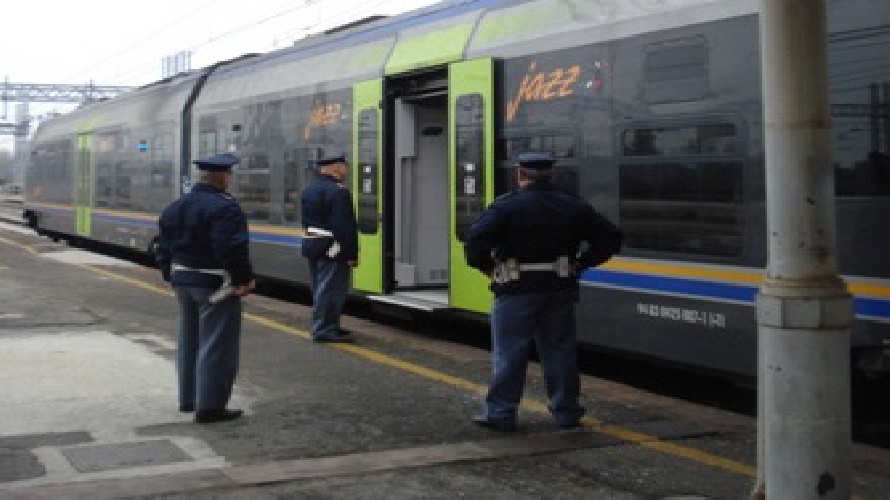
{"x": 804, "y": 311}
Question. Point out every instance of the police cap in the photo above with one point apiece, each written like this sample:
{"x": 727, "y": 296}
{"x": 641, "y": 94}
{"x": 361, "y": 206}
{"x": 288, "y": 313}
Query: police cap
{"x": 218, "y": 163}
{"x": 331, "y": 159}
{"x": 534, "y": 161}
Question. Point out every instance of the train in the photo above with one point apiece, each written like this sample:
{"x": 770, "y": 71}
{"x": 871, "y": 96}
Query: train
{"x": 652, "y": 108}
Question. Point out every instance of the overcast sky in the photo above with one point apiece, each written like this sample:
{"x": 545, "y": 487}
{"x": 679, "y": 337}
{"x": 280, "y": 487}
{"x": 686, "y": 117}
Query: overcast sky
{"x": 117, "y": 42}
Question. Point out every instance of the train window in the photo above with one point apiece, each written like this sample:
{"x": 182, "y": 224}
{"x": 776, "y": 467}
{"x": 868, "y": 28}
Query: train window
{"x": 252, "y": 191}
{"x": 257, "y": 161}
{"x": 560, "y": 146}
{"x": 675, "y": 70}
{"x": 709, "y": 139}
{"x": 104, "y": 184}
{"x": 162, "y": 161}
{"x": 367, "y": 171}
{"x": 470, "y": 154}
{"x": 207, "y": 144}
{"x": 688, "y": 207}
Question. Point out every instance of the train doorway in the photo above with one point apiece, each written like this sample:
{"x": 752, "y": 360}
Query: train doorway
{"x": 423, "y": 171}
{"x": 420, "y": 246}
{"x": 417, "y": 253}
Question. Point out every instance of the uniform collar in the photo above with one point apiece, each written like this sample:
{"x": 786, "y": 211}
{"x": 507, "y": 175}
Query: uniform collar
{"x": 201, "y": 186}
{"x": 330, "y": 178}
{"x": 542, "y": 185}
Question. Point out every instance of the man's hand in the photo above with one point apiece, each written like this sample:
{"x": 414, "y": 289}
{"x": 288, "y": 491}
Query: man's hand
{"x": 244, "y": 290}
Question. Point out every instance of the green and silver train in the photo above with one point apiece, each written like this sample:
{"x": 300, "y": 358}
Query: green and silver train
{"x": 652, "y": 107}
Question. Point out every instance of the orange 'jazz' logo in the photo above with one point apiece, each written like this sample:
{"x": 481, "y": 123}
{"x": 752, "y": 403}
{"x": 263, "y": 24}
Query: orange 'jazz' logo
{"x": 321, "y": 115}
{"x": 543, "y": 86}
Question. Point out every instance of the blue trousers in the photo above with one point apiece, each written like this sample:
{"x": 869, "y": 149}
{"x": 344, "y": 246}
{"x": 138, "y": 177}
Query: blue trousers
{"x": 208, "y": 348}
{"x": 330, "y": 285}
{"x": 519, "y": 322}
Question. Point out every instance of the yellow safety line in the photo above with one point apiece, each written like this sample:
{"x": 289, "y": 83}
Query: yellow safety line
{"x": 594, "y": 424}
{"x": 19, "y": 245}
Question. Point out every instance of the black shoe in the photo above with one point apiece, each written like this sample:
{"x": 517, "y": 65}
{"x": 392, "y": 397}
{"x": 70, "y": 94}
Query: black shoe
{"x": 495, "y": 425}
{"x": 346, "y": 339}
{"x": 187, "y": 408}
{"x": 210, "y": 416}
{"x": 570, "y": 425}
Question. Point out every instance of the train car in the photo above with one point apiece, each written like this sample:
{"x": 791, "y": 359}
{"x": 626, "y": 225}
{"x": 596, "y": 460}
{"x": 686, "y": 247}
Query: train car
{"x": 653, "y": 109}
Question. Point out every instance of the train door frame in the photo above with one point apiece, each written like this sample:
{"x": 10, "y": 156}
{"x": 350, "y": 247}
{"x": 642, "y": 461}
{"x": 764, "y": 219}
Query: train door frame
{"x": 404, "y": 95}
{"x": 470, "y": 188}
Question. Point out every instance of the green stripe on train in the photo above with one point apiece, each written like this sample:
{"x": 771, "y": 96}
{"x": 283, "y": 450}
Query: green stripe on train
{"x": 429, "y": 49}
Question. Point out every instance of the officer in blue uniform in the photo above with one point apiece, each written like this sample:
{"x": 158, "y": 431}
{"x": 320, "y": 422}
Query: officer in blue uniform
{"x": 203, "y": 250}
{"x": 528, "y": 242}
{"x": 330, "y": 245}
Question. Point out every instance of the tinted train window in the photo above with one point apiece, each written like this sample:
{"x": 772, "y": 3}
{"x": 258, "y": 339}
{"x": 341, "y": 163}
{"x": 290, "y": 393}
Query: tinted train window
{"x": 252, "y": 191}
{"x": 470, "y": 174}
{"x": 367, "y": 171}
{"x": 675, "y": 70}
{"x": 683, "y": 207}
{"x": 861, "y": 122}
{"x": 718, "y": 139}
{"x": 562, "y": 147}
{"x": 207, "y": 144}
{"x": 681, "y": 189}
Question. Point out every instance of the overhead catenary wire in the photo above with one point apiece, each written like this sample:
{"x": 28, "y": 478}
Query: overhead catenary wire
{"x": 140, "y": 42}
{"x": 128, "y": 76}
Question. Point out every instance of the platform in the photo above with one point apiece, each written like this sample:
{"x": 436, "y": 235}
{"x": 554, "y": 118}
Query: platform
{"x": 87, "y": 343}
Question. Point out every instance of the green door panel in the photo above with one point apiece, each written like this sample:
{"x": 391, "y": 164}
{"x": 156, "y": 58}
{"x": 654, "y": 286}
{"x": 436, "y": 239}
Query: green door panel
{"x": 470, "y": 173}
{"x": 83, "y": 186}
{"x": 367, "y": 144}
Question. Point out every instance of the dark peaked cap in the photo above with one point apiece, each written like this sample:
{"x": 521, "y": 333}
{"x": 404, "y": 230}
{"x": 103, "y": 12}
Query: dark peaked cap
{"x": 218, "y": 163}
{"x": 534, "y": 161}
{"x": 331, "y": 159}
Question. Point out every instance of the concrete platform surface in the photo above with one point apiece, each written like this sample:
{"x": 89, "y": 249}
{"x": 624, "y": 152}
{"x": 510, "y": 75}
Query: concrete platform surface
{"x": 89, "y": 409}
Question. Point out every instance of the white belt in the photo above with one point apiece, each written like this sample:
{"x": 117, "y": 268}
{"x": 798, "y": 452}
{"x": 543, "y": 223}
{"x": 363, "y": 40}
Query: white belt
{"x": 505, "y": 272}
{"x": 334, "y": 249}
{"x": 222, "y": 273}
{"x": 224, "y": 290}
{"x": 317, "y": 231}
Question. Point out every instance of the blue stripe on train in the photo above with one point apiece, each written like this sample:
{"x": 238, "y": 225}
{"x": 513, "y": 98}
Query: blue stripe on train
{"x": 876, "y": 308}
{"x": 257, "y": 236}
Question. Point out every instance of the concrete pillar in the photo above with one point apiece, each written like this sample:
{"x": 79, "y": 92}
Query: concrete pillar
{"x": 804, "y": 311}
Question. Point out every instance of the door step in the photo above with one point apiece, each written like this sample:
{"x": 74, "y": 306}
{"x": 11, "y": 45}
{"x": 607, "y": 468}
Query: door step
{"x": 424, "y": 300}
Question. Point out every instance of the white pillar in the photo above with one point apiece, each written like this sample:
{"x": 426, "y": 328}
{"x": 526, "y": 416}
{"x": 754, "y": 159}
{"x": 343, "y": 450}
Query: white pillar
{"x": 804, "y": 311}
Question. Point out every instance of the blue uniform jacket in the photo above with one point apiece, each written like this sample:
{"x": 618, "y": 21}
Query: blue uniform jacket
{"x": 538, "y": 224}
{"x": 326, "y": 204}
{"x": 204, "y": 229}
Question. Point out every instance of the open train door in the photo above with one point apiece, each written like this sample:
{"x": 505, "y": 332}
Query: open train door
{"x": 471, "y": 172}
{"x": 82, "y": 180}
{"x": 366, "y": 180}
